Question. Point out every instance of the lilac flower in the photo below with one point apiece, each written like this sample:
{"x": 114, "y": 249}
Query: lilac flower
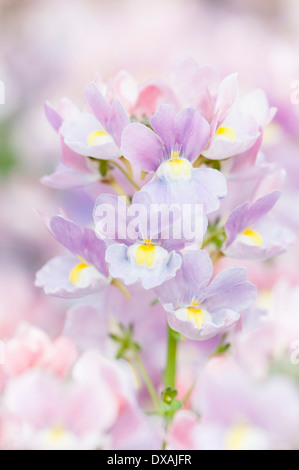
{"x": 238, "y": 413}
{"x": 242, "y": 128}
{"x": 65, "y": 178}
{"x": 138, "y": 100}
{"x": 82, "y": 273}
{"x": 143, "y": 256}
{"x": 96, "y": 135}
{"x": 199, "y": 310}
{"x": 203, "y": 88}
{"x": 251, "y": 235}
{"x": 233, "y": 136}
{"x": 74, "y": 170}
{"x": 59, "y": 415}
{"x": 169, "y": 151}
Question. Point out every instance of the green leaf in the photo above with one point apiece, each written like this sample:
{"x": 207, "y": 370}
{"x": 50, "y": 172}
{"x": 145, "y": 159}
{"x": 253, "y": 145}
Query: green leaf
{"x": 126, "y": 341}
{"x": 176, "y": 405}
{"x": 222, "y": 348}
{"x": 115, "y": 338}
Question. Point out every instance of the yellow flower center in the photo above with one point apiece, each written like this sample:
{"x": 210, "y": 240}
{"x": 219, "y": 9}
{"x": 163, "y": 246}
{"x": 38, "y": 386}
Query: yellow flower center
{"x": 227, "y": 132}
{"x": 196, "y": 315}
{"x": 255, "y": 237}
{"x": 96, "y": 137}
{"x": 145, "y": 254}
{"x": 179, "y": 167}
{"x": 57, "y": 433}
{"x": 77, "y": 271}
{"x": 245, "y": 436}
{"x": 236, "y": 437}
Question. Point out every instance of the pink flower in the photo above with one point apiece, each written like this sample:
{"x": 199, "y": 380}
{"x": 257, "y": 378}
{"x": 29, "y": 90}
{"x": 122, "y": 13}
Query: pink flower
{"x": 31, "y": 348}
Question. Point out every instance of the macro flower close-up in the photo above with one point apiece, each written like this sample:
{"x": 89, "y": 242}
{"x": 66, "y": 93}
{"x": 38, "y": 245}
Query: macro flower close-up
{"x": 149, "y": 282}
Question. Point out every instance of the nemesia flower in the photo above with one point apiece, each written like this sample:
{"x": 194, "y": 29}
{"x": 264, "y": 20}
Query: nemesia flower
{"x": 59, "y": 415}
{"x": 74, "y": 169}
{"x": 256, "y": 104}
{"x": 145, "y": 258}
{"x": 75, "y": 414}
{"x": 169, "y": 151}
{"x": 199, "y": 310}
{"x": 65, "y": 178}
{"x": 190, "y": 165}
{"x": 253, "y": 236}
{"x": 139, "y": 101}
{"x": 87, "y": 325}
{"x": 96, "y": 135}
{"x": 202, "y": 87}
{"x": 32, "y": 348}
{"x": 129, "y": 426}
{"x": 80, "y": 274}
{"x": 238, "y": 414}
{"x": 274, "y": 339}
{"x": 236, "y": 134}
{"x": 235, "y": 123}
{"x": 182, "y": 433}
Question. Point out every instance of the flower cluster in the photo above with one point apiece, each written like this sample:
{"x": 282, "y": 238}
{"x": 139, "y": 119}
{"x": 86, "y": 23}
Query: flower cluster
{"x": 177, "y": 145}
{"x": 158, "y": 157}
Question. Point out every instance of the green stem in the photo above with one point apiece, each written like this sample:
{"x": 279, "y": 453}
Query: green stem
{"x": 127, "y": 175}
{"x": 170, "y": 370}
{"x": 199, "y": 161}
{"x": 148, "y": 382}
{"x": 211, "y": 237}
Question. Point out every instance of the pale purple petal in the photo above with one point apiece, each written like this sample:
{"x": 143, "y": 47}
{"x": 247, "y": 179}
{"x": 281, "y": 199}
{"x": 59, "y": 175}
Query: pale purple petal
{"x": 189, "y": 282}
{"x": 54, "y": 279}
{"x": 192, "y": 133}
{"x": 229, "y": 290}
{"x": 247, "y": 133}
{"x": 53, "y": 117}
{"x": 67, "y": 233}
{"x": 82, "y": 243}
{"x": 118, "y": 120}
{"x": 227, "y": 94}
{"x": 196, "y": 86}
{"x": 244, "y": 216}
{"x": 65, "y": 178}
{"x": 142, "y": 147}
{"x": 75, "y": 132}
{"x": 72, "y": 159}
{"x": 87, "y": 326}
{"x": 163, "y": 123}
{"x": 212, "y": 186}
{"x": 122, "y": 268}
{"x": 97, "y": 102}
{"x": 178, "y": 193}
{"x": 158, "y": 220}
{"x": 221, "y": 148}
{"x": 110, "y": 218}
{"x": 262, "y": 206}
{"x": 276, "y": 240}
{"x": 222, "y": 320}
{"x": 206, "y": 186}
{"x": 94, "y": 250}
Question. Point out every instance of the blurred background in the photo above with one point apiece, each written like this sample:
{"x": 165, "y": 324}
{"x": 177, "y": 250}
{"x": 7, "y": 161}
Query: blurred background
{"x": 52, "y": 48}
